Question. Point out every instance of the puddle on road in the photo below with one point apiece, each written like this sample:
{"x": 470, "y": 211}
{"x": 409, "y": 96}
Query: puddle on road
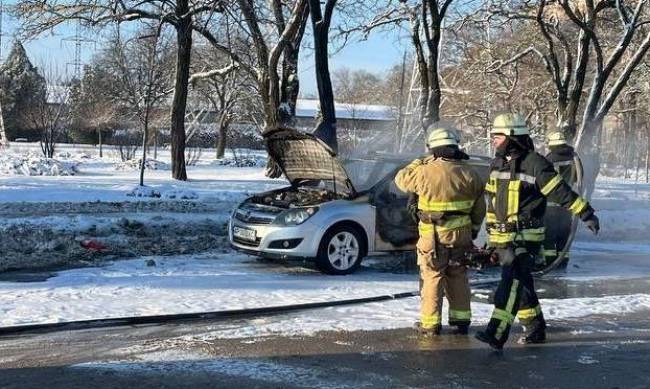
{"x": 24, "y": 276}
{"x": 562, "y": 288}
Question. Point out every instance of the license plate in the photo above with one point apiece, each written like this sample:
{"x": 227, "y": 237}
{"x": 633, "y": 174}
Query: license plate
{"x": 244, "y": 233}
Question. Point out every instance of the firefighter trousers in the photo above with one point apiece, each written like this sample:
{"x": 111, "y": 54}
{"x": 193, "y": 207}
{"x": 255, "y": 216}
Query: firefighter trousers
{"x": 516, "y": 297}
{"x": 437, "y": 279}
{"x": 557, "y": 236}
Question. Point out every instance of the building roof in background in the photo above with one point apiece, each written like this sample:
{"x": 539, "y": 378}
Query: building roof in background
{"x": 310, "y": 108}
{"x": 58, "y": 94}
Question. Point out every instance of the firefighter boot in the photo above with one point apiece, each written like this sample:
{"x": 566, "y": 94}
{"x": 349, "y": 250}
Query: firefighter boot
{"x": 432, "y": 331}
{"x": 485, "y": 337}
{"x": 534, "y": 332}
{"x": 462, "y": 329}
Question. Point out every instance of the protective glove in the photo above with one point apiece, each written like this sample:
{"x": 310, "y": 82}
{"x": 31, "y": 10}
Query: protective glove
{"x": 416, "y": 162}
{"x": 412, "y": 207}
{"x": 592, "y": 223}
{"x": 506, "y": 256}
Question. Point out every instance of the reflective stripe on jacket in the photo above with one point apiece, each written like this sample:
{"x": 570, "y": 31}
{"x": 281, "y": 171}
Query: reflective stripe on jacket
{"x": 517, "y": 192}
{"x": 564, "y": 160}
{"x": 450, "y": 187}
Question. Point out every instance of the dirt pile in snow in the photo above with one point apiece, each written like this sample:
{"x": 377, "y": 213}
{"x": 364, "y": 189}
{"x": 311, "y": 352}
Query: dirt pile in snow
{"x": 163, "y": 193}
{"x": 41, "y": 234}
{"x": 34, "y": 165}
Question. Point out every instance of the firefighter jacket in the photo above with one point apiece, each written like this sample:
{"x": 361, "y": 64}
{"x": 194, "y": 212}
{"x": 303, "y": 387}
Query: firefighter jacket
{"x": 517, "y": 192}
{"x": 448, "y": 187}
{"x": 566, "y": 163}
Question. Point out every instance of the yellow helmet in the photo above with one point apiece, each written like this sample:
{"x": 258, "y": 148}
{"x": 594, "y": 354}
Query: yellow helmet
{"x": 439, "y": 134}
{"x": 509, "y": 124}
{"x": 556, "y": 138}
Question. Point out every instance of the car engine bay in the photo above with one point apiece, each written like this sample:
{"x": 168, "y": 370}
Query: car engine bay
{"x": 296, "y": 197}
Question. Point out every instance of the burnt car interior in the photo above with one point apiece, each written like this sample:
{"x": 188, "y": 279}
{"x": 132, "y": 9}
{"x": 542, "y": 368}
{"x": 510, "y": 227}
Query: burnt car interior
{"x": 393, "y": 222}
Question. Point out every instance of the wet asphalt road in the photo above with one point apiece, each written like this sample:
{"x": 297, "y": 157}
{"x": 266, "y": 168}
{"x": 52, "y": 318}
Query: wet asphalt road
{"x": 595, "y": 352}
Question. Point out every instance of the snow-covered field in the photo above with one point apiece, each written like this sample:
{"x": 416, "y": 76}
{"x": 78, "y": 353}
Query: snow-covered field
{"x": 109, "y": 179}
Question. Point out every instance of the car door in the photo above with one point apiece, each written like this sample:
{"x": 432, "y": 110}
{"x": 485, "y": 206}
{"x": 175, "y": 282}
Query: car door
{"x": 395, "y": 229}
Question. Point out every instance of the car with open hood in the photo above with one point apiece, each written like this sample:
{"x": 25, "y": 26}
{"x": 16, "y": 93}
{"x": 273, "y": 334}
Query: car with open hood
{"x": 334, "y": 212}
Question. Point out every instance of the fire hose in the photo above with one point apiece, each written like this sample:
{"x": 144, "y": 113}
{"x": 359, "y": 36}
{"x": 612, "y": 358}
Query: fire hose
{"x": 214, "y": 316}
{"x": 574, "y": 224}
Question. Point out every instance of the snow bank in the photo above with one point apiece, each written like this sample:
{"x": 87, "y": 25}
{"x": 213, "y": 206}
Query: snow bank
{"x": 242, "y": 161}
{"x": 134, "y": 164}
{"x": 34, "y": 165}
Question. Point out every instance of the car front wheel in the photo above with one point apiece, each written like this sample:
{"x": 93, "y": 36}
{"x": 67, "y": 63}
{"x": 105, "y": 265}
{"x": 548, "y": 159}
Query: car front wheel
{"x": 341, "y": 251}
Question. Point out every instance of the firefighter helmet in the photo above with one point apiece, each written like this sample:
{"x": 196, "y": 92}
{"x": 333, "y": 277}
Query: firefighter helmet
{"x": 556, "y": 138}
{"x": 509, "y": 124}
{"x": 442, "y": 135}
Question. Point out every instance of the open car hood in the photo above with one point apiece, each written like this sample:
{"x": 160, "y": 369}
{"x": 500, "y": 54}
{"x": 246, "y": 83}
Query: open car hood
{"x": 303, "y": 156}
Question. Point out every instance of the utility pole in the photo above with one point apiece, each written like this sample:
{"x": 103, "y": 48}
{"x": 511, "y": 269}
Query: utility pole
{"x": 400, "y": 113}
{"x": 2, "y": 6}
{"x": 78, "y": 41}
{"x": 3, "y": 134}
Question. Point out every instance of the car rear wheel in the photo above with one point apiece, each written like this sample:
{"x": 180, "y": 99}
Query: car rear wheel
{"x": 341, "y": 250}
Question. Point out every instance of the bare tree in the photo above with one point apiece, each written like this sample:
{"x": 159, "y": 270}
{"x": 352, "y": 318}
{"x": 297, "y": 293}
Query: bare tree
{"x": 93, "y": 107}
{"x": 50, "y": 115}
{"x": 140, "y": 66}
{"x": 184, "y": 16}
{"x": 426, "y": 23}
{"x": 613, "y": 38}
{"x": 275, "y": 31}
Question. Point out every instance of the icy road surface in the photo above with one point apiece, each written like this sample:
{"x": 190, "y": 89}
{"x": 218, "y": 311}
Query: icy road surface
{"x": 215, "y": 282}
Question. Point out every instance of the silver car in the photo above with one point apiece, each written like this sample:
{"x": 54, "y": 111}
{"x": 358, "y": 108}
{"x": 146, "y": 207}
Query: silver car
{"x": 334, "y": 213}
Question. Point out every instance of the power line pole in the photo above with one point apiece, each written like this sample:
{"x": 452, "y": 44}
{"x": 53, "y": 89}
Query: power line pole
{"x": 2, "y": 7}
{"x": 78, "y": 41}
{"x": 3, "y": 134}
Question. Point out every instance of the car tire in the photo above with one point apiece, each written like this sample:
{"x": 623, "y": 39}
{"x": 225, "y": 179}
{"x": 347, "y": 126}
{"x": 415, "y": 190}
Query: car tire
{"x": 341, "y": 250}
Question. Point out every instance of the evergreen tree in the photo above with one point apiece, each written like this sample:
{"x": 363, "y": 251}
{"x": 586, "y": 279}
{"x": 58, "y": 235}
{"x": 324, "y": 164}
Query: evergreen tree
{"x": 20, "y": 87}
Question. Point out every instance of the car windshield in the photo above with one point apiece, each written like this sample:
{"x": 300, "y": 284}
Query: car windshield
{"x": 365, "y": 173}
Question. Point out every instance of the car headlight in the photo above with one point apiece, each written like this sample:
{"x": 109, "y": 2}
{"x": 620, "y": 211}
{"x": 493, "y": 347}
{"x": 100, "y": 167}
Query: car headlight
{"x": 293, "y": 217}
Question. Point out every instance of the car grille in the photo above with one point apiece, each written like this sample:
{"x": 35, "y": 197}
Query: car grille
{"x": 249, "y": 217}
{"x": 247, "y": 242}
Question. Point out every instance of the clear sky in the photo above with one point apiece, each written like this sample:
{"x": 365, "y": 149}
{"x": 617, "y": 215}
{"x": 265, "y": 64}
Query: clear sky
{"x": 54, "y": 53}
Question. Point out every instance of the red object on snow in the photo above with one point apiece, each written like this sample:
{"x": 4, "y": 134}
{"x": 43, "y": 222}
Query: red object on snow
{"x": 93, "y": 245}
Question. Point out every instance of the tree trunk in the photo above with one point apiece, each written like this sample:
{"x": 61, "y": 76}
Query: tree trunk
{"x": 223, "y": 133}
{"x": 101, "y": 145}
{"x": 290, "y": 83}
{"x": 400, "y": 108}
{"x": 145, "y": 138}
{"x": 326, "y": 128}
{"x": 433, "y": 103}
{"x": 179, "y": 104}
{"x": 3, "y": 134}
{"x": 647, "y": 153}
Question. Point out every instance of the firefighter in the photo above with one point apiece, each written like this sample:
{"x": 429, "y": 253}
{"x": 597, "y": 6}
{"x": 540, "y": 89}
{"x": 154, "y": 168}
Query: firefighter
{"x": 520, "y": 181}
{"x": 451, "y": 209}
{"x": 566, "y": 163}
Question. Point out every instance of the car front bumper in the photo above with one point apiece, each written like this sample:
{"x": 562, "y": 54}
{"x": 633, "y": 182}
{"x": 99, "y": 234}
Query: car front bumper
{"x": 271, "y": 238}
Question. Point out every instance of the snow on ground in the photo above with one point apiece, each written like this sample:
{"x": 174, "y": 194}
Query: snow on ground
{"x": 109, "y": 179}
{"x": 213, "y": 282}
